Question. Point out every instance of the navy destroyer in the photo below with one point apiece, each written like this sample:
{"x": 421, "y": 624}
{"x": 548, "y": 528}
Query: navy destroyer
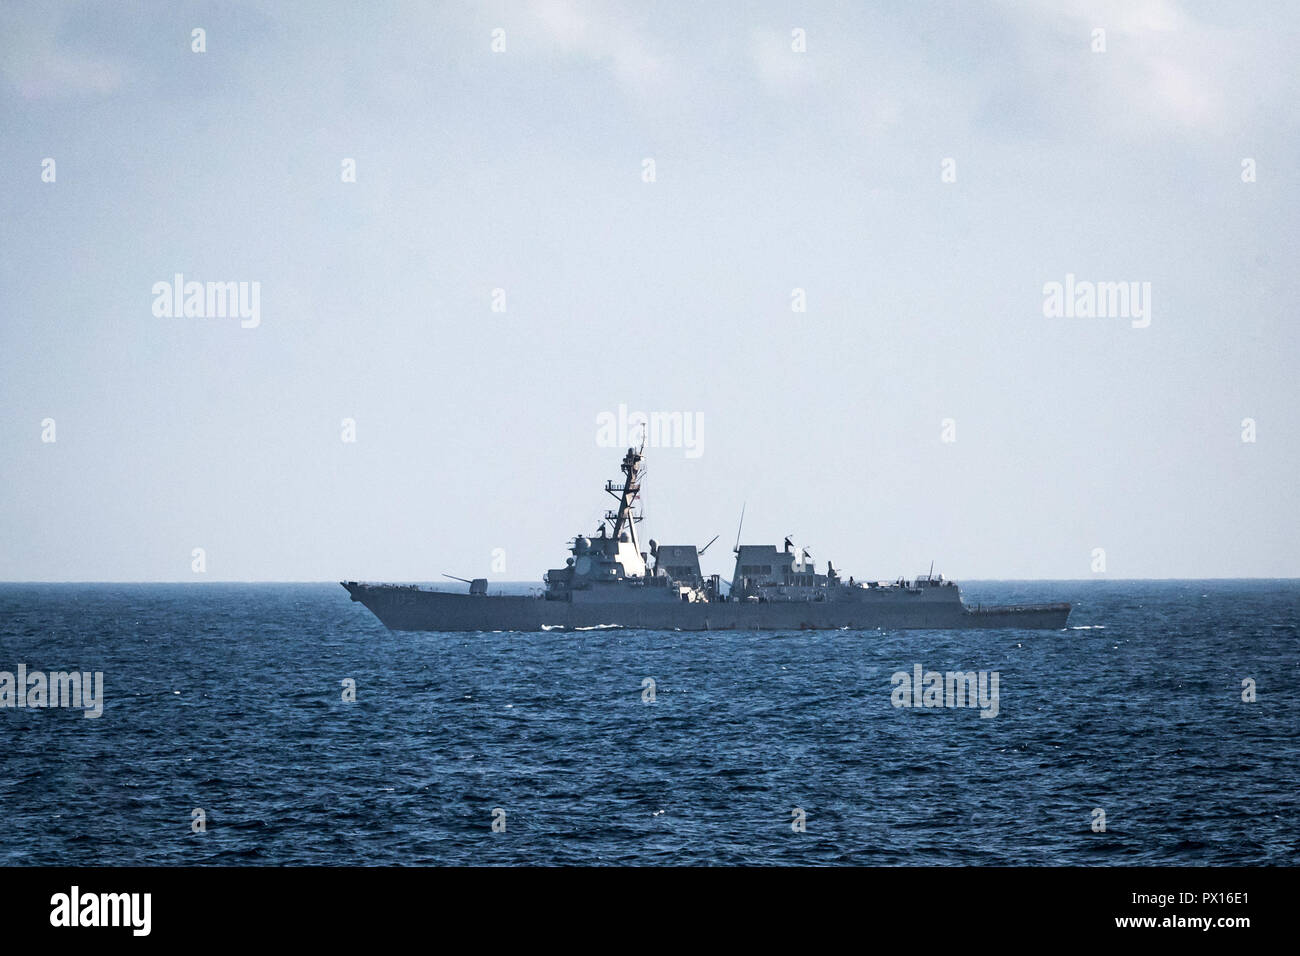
{"x": 608, "y": 581}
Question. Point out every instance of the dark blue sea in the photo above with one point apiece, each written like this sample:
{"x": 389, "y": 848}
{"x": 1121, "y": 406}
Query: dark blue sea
{"x": 229, "y": 698}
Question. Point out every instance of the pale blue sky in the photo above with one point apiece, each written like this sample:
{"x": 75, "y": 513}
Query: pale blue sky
{"x": 522, "y": 170}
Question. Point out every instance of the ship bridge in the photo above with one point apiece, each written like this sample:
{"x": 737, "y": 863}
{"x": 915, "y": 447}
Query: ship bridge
{"x": 681, "y": 562}
{"x": 763, "y": 568}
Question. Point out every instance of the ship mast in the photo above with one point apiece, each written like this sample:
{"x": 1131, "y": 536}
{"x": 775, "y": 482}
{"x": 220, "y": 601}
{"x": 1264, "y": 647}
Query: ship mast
{"x": 627, "y": 495}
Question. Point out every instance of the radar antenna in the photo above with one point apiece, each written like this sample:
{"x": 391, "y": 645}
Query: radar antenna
{"x": 627, "y": 494}
{"x": 736, "y": 549}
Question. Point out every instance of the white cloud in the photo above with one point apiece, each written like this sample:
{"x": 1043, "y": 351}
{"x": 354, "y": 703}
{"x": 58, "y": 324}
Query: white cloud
{"x": 37, "y": 66}
{"x": 592, "y": 33}
{"x": 779, "y": 68}
{"x": 1166, "y": 68}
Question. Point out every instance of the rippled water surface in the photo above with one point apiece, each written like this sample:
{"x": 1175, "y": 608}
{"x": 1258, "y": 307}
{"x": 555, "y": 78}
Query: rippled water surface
{"x": 229, "y": 698}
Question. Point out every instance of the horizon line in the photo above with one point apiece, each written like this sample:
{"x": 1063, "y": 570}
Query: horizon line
{"x": 541, "y": 584}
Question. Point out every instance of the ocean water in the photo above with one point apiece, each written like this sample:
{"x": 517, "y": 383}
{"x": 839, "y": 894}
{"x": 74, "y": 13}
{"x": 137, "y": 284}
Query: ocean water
{"x": 229, "y": 698}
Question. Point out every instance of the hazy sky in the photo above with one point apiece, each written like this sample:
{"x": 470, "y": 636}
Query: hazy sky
{"x": 523, "y": 170}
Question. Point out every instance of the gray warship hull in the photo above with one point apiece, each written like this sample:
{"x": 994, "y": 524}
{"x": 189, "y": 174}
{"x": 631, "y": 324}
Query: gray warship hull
{"x": 609, "y": 581}
{"x": 409, "y": 608}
